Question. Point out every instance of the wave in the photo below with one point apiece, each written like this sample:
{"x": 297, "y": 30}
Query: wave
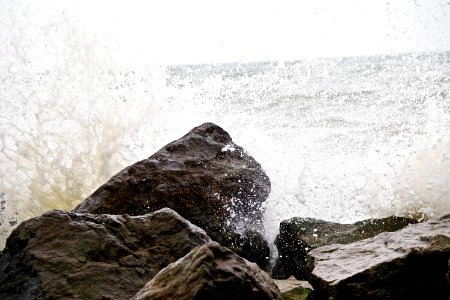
{"x": 342, "y": 139}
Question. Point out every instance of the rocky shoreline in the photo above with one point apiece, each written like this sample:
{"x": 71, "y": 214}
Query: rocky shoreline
{"x": 186, "y": 224}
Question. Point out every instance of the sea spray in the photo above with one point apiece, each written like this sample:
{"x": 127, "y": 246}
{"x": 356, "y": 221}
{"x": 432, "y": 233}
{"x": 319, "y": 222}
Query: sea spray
{"x": 341, "y": 139}
{"x": 70, "y": 112}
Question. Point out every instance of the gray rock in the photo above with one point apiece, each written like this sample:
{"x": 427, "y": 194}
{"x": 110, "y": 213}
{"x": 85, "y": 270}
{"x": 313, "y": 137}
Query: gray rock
{"x": 62, "y": 255}
{"x": 298, "y": 236}
{"x": 411, "y": 263}
{"x": 210, "y": 272}
{"x": 205, "y": 177}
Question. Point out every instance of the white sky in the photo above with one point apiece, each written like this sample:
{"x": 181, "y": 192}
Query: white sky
{"x": 193, "y": 31}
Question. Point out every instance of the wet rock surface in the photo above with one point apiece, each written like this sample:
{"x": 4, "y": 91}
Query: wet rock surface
{"x": 210, "y": 272}
{"x": 204, "y": 176}
{"x": 411, "y": 263}
{"x": 250, "y": 244}
{"x": 300, "y": 235}
{"x": 62, "y": 255}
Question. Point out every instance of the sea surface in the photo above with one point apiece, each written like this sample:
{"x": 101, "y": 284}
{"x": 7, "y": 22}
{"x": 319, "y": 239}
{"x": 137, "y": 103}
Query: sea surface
{"x": 342, "y": 139}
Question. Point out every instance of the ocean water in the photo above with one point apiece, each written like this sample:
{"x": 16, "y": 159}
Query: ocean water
{"x": 342, "y": 139}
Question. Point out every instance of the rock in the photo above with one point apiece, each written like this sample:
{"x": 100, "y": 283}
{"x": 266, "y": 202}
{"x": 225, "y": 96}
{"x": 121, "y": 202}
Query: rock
{"x": 292, "y": 289}
{"x": 299, "y": 235}
{"x": 204, "y": 176}
{"x": 411, "y": 263}
{"x": 210, "y": 271}
{"x": 62, "y": 255}
{"x": 250, "y": 244}
{"x": 448, "y": 277}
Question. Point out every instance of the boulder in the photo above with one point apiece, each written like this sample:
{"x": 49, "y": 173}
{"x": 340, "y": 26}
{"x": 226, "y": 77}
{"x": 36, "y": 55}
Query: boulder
{"x": 62, "y": 255}
{"x": 292, "y": 289}
{"x": 300, "y": 235}
{"x": 204, "y": 176}
{"x": 411, "y": 263}
{"x": 210, "y": 271}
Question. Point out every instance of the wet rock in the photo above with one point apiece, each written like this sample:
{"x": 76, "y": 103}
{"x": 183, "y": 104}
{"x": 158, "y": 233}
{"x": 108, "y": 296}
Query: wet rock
{"x": 62, "y": 255}
{"x": 250, "y": 244}
{"x": 210, "y": 272}
{"x": 300, "y": 235}
{"x": 204, "y": 176}
{"x": 411, "y": 263}
{"x": 292, "y": 289}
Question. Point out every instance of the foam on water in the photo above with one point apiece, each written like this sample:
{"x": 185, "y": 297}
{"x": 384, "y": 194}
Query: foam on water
{"x": 341, "y": 139}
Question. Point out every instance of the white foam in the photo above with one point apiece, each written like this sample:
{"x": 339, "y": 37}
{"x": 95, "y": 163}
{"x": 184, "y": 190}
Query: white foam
{"x": 341, "y": 140}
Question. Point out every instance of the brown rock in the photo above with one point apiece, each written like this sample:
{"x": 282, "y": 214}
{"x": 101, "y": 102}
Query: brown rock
{"x": 411, "y": 263}
{"x": 62, "y": 255}
{"x": 210, "y": 271}
{"x": 204, "y": 176}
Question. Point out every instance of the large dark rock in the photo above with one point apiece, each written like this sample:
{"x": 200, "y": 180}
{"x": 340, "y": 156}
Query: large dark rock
{"x": 300, "y": 235}
{"x": 208, "y": 272}
{"x": 204, "y": 176}
{"x": 411, "y": 263}
{"x": 62, "y": 255}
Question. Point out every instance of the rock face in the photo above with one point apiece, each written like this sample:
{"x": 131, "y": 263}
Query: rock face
{"x": 210, "y": 272}
{"x": 204, "y": 176}
{"x": 299, "y": 235}
{"x": 408, "y": 264}
{"x": 62, "y": 255}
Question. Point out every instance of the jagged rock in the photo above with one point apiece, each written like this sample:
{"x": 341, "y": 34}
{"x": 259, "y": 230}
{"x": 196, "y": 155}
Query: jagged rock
{"x": 210, "y": 271}
{"x": 411, "y": 263}
{"x": 292, "y": 289}
{"x": 204, "y": 176}
{"x": 62, "y": 255}
{"x": 300, "y": 235}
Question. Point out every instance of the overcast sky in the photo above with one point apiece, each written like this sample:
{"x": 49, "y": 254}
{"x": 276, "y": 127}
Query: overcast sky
{"x": 211, "y": 31}
{"x": 194, "y": 31}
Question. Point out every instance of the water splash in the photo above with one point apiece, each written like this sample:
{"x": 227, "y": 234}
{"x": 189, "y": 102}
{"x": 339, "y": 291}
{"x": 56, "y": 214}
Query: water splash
{"x": 341, "y": 139}
{"x": 70, "y": 113}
